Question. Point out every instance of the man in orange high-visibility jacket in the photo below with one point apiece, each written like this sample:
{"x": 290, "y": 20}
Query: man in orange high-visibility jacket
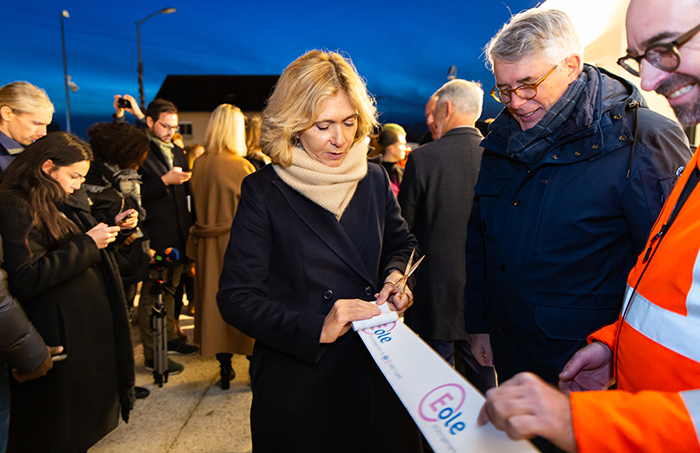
{"x": 653, "y": 351}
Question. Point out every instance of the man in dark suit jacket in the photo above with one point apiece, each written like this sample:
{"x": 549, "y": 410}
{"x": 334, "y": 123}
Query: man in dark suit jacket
{"x": 436, "y": 198}
{"x": 164, "y": 190}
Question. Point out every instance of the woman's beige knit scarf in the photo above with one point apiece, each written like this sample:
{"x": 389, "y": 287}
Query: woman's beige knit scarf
{"x": 331, "y": 188}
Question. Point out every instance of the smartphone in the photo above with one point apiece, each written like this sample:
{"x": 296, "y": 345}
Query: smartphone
{"x": 123, "y": 103}
{"x": 126, "y": 217}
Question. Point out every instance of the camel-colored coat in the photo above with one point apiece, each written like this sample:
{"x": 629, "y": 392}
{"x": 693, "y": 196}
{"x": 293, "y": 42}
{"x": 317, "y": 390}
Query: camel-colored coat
{"x": 216, "y": 189}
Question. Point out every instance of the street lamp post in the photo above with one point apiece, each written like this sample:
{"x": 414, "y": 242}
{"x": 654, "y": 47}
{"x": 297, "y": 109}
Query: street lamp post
{"x": 65, "y": 14}
{"x": 138, "y": 40}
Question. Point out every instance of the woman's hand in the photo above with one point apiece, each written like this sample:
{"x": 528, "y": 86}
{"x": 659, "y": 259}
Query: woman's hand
{"x": 399, "y": 297}
{"x": 127, "y": 220}
{"x": 103, "y": 234}
{"x": 344, "y": 312}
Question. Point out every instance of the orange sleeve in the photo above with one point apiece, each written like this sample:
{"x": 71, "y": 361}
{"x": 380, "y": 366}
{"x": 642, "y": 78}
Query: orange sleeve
{"x": 616, "y": 421}
{"x": 606, "y": 335}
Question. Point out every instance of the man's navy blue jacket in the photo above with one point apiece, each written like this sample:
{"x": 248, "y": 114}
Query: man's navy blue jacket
{"x": 549, "y": 245}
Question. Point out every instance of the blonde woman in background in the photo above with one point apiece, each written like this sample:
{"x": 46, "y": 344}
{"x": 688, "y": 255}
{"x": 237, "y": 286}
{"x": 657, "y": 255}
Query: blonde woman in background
{"x": 253, "y": 122}
{"x": 192, "y": 152}
{"x": 216, "y": 187}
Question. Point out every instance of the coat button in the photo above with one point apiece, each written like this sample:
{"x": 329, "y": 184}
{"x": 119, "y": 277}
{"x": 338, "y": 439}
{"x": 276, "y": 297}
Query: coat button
{"x": 577, "y": 153}
{"x": 595, "y": 146}
{"x": 328, "y": 294}
{"x": 502, "y": 267}
{"x": 623, "y": 137}
{"x": 368, "y": 291}
{"x": 516, "y": 202}
{"x": 618, "y": 116}
{"x": 555, "y": 157}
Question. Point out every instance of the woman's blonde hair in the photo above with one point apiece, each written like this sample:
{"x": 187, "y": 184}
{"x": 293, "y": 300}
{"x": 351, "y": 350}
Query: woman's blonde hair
{"x": 226, "y": 131}
{"x": 300, "y": 95}
{"x": 23, "y": 97}
{"x": 253, "y": 122}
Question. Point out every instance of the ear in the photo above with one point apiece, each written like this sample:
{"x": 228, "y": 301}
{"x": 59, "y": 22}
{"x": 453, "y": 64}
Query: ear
{"x": 449, "y": 110}
{"x": 47, "y": 166}
{"x": 571, "y": 67}
{"x": 6, "y": 113}
{"x": 149, "y": 122}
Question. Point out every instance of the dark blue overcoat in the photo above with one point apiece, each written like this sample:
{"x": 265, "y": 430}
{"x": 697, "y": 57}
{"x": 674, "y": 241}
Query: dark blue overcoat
{"x": 549, "y": 246}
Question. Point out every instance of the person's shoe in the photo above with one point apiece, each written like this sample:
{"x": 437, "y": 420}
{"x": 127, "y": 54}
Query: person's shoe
{"x": 141, "y": 392}
{"x": 179, "y": 347}
{"x": 173, "y": 367}
{"x": 227, "y": 375}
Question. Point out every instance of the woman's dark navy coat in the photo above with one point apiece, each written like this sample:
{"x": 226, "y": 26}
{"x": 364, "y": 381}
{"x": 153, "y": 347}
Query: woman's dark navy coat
{"x": 287, "y": 263}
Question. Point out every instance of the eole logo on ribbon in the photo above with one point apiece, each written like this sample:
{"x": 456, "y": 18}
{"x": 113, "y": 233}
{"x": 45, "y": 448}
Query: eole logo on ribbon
{"x": 443, "y": 404}
{"x": 382, "y": 332}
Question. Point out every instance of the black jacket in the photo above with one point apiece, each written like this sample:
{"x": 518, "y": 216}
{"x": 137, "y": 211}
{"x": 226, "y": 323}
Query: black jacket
{"x": 168, "y": 220}
{"x": 74, "y": 297}
{"x": 107, "y": 201}
{"x": 20, "y": 344}
{"x": 436, "y": 197}
{"x": 287, "y": 263}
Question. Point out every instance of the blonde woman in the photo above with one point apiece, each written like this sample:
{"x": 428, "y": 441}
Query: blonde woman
{"x": 253, "y": 123}
{"x": 216, "y": 187}
{"x": 317, "y": 237}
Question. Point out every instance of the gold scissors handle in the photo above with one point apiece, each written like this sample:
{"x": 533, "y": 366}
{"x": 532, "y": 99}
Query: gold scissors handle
{"x": 410, "y": 269}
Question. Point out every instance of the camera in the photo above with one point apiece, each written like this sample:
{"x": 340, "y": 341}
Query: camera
{"x": 123, "y": 103}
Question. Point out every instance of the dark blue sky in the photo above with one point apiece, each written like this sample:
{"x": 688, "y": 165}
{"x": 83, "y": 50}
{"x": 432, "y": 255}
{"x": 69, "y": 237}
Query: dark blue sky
{"x": 402, "y": 48}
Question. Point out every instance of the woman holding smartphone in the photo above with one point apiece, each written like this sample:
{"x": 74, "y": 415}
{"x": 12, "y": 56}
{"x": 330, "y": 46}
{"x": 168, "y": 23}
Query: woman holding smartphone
{"x": 61, "y": 272}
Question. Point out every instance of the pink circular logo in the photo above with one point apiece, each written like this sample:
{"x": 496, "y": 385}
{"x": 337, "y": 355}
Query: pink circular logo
{"x": 441, "y": 402}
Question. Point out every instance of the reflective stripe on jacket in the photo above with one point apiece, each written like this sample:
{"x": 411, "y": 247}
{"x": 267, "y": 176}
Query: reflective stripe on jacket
{"x": 657, "y": 407}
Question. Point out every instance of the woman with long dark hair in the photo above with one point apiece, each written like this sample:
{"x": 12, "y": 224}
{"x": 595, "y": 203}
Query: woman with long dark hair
{"x": 60, "y": 270}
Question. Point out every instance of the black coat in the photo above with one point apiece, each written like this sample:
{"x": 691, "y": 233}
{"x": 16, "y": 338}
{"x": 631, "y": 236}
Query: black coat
{"x": 436, "y": 198}
{"x": 74, "y": 297}
{"x": 107, "y": 201}
{"x": 287, "y": 263}
{"x": 168, "y": 220}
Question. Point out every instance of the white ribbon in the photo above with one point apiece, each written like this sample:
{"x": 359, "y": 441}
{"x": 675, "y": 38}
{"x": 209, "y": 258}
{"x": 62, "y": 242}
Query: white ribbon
{"x": 442, "y": 403}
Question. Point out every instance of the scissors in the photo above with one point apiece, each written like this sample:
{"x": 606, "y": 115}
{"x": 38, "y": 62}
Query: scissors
{"x": 410, "y": 269}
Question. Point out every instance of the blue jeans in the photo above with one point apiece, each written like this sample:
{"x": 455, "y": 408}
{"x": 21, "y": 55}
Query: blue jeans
{"x": 4, "y": 407}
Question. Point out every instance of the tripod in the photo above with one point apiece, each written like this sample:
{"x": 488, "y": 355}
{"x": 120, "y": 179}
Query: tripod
{"x": 160, "y": 337}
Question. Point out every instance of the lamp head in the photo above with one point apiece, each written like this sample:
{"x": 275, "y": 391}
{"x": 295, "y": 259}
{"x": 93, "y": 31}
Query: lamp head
{"x": 168, "y": 10}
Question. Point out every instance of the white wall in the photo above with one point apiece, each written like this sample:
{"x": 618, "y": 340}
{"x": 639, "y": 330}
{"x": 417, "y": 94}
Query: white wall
{"x": 601, "y": 27}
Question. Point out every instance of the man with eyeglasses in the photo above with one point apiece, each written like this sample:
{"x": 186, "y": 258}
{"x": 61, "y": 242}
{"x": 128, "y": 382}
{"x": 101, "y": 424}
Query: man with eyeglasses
{"x": 651, "y": 352}
{"x": 574, "y": 173}
{"x": 164, "y": 191}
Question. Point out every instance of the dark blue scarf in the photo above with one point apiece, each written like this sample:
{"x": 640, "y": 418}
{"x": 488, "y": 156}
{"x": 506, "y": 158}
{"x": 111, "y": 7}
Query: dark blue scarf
{"x": 530, "y": 145}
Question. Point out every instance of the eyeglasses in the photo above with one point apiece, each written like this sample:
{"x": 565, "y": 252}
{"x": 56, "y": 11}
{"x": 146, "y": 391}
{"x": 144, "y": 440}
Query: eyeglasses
{"x": 664, "y": 56}
{"x": 169, "y": 128}
{"x": 525, "y": 91}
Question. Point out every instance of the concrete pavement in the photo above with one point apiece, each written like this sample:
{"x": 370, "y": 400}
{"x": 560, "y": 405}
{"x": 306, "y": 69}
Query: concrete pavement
{"x": 190, "y": 413}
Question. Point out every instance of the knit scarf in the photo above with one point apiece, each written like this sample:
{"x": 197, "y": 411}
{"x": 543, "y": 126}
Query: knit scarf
{"x": 530, "y": 145}
{"x": 165, "y": 148}
{"x": 331, "y": 188}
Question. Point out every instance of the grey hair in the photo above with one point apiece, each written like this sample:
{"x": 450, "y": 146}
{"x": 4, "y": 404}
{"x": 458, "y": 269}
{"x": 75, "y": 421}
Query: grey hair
{"x": 467, "y": 97}
{"x": 546, "y": 33}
